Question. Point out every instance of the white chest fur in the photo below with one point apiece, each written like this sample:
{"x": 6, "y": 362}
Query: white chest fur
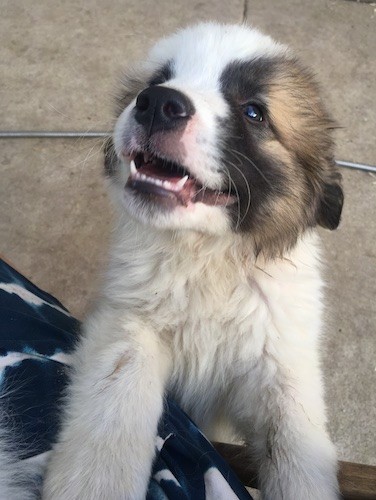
{"x": 231, "y": 338}
{"x": 217, "y": 310}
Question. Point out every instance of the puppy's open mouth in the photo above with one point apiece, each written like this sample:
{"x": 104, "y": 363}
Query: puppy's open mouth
{"x": 170, "y": 183}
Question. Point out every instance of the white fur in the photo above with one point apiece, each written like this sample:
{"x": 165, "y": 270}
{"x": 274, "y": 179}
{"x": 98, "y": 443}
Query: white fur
{"x": 227, "y": 339}
{"x": 187, "y": 309}
{"x": 19, "y": 479}
{"x": 199, "y": 53}
{"x": 231, "y": 42}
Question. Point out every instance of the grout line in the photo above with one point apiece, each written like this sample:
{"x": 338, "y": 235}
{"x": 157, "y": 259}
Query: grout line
{"x": 32, "y": 134}
{"x": 25, "y": 134}
{"x": 245, "y": 11}
{"x": 357, "y": 166}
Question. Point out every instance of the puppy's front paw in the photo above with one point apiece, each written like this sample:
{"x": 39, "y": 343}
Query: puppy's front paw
{"x": 96, "y": 487}
{"x": 286, "y": 477}
{"x": 107, "y": 474}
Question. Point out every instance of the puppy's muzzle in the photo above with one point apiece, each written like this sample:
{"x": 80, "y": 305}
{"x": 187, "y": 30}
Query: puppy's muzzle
{"x": 162, "y": 108}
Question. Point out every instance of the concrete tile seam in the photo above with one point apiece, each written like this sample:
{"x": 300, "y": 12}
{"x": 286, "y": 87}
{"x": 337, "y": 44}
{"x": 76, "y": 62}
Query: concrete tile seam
{"x": 29, "y": 134}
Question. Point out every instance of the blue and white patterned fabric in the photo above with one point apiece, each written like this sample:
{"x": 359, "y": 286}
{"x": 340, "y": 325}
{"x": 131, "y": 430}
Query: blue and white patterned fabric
{"x": 37, "y": 336}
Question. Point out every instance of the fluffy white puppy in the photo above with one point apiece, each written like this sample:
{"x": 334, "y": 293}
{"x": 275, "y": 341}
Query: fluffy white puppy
{"x": 221, "y": 167}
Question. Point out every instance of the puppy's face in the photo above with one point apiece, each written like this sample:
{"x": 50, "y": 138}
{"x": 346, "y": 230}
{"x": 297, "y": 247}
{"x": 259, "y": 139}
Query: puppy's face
{"x": 221, "y": 129}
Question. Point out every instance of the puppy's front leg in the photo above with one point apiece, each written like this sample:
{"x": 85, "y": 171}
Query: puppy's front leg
{"x": 279, "y": 410}
{"x": 107, "y": 443}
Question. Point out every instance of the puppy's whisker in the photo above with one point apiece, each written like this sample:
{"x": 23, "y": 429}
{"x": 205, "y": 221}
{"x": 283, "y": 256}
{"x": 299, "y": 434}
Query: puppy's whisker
{"x": 238, "y": 153}
{"x": 248, "y": 190}
{"x": 92, "y": 152}
{"x": 231, "y": 184}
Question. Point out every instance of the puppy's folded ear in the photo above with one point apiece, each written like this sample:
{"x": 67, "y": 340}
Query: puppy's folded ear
{"x": 330, "y": 206}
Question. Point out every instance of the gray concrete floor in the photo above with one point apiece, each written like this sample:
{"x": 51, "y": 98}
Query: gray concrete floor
{"x": 59, "y": 66}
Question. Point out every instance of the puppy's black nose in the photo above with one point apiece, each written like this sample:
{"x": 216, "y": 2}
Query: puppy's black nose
{"x": 162, "y": 108}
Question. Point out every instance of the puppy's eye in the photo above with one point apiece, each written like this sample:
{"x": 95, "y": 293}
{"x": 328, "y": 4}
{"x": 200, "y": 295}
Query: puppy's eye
{"x": 161, "y": 75}
{"x": 254, "y": 113}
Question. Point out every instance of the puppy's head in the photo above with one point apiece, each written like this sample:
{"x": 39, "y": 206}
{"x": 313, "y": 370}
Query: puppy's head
{"x": 219, "y": 130}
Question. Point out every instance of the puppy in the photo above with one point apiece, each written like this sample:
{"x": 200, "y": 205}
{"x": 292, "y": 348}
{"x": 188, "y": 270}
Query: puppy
{"x": 221, "y": 166}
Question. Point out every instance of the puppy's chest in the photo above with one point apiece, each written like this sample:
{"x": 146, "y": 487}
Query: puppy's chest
{"x": 211, "y": 314}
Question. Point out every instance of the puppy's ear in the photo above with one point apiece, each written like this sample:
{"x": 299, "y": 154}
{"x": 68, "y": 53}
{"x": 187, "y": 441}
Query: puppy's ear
{"x": 330, "y": 206}
{"x": 110, "y": 159}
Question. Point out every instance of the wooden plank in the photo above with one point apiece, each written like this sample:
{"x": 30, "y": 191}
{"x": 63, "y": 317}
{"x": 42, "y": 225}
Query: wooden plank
{"x": 357, "y": 481}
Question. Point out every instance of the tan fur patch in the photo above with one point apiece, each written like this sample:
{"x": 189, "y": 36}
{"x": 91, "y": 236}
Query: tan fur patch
{"x": 283, "y": 214}
{"x": 297, "y": 111}
{"x": 303, "y": 146}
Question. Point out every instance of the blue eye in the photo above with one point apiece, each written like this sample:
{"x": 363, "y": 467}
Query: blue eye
{"x": 254, "y": 113}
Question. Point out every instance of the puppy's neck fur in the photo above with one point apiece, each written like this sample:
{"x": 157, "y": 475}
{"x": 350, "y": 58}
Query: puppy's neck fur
{"x": 194, "y": 259}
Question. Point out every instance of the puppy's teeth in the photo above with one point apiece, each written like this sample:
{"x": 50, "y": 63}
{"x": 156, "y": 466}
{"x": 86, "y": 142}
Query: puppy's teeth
{"x": 133, "y": 168}
{"x": 167, "y": 185}
{"x": 182, "y": 181}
